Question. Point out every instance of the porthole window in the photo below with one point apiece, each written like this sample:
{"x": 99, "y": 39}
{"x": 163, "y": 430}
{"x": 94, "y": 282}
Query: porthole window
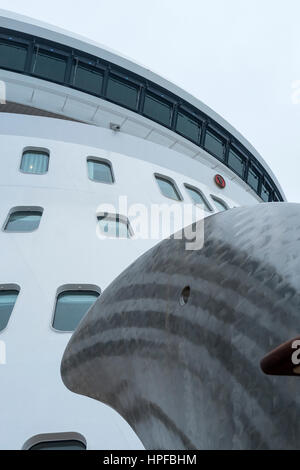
{"x": 23, "y": 220}
{"x": 8, "y": 297}
{"x": 220, "y": 204}
{"x": 56, "y": 441}
{"x": 168, "y": 187}
{"x": 198, "y": 198}
{"x": 72, "y": 303}
{"x": 59, "y": 445}
{"x": 114, "y": 226}
{"x": 35, "y": 162}
{"x": 100, "y": 170}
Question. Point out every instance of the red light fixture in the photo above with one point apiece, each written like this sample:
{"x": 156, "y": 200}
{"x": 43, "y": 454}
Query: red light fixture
{"x": 219, "y": 180}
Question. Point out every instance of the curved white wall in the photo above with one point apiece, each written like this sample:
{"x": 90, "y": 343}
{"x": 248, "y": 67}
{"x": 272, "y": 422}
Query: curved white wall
{"x": 66, "y": 250}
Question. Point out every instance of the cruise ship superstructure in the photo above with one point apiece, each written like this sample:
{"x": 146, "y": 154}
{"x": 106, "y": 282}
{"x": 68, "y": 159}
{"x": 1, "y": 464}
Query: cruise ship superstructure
{"x": 81, "y": 126}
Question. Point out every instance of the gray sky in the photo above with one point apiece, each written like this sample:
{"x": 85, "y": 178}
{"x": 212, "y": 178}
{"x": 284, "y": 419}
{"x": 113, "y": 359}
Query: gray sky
{"x": 240, "y": 57}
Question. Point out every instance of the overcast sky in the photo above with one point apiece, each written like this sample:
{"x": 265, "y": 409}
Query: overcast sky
{"x": 240, "y": 57}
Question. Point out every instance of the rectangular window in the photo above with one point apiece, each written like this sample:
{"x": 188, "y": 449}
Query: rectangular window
{"x": 99, "y": 171}
{"x": 122, "y": 92}
{"x": 266, "y": 192}
{"x": 35, "y": 162}
{"x": 88, "y": 79}
{"x": 253, "y": 179}
{"x": 236, "y": 162}
{"x": 12, "y": 55}
{"x": 214, "y": 144}
{"x": 23, "y": 221}
{"x": 114, "y": 226}
{"x": 188, "y": 126}
{"x": 8, "y": 299}
{"x": 49, "y": 65}
{"x": 168, "y": 188}
{"x": 158, "y": 109}
{"x": 71, "y": 306}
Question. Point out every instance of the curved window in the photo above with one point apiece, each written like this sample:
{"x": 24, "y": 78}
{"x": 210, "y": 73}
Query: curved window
{"x": 236, "y": 162}
{"x": 114, "y": 226}
{"x": 168, "y": 188}
{"x": 59, "y": 445}
{"x": 56, "y": 441}
{"x": 100, "y": 171}
{"x": 23, "y": 220}
{"x": 8, "y": 297}
{"x": 34, "y": 56}
{"x": 198, "y": 198}
{"x": 220, "y": 205}
{"x": 35, "y": 162}
{"x": 71, "y": 306}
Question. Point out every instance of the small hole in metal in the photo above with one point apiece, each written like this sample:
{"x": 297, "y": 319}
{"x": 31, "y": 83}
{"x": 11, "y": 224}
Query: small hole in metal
{"x": 185, "y": 294}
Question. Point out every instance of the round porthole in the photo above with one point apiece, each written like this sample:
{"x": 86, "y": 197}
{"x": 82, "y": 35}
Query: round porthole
{"x": 185, "y": 295}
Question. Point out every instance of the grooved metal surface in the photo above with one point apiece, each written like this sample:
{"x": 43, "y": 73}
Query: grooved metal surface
{"x": 188, "y": 376}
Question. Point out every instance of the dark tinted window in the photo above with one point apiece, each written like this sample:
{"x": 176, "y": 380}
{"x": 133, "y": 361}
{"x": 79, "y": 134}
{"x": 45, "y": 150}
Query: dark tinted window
{"x": 158, "y": 109}
{"x": 49, "y": 65}
{"x": 168, "y": 188}
{"x": 99, "y": 171}
{"x": 59, "y": 445}
{"x": 88, "y": 79}
{"x": 236, "y": 162}
{"x": 122, "y": 92}
{"x": 215, "y": 144}
{"x": 71, "y": 306}
{"x": 12, "y": 55}
{"x": 253, "y": 179}
{"x": 35, "y": 162}
{"x": 265, "y": 192}
{"x": 23, "y": 221}
{"x": 198, "y": 198}
{"x": 7, "y": 302}
{"x": 188, "y": 126}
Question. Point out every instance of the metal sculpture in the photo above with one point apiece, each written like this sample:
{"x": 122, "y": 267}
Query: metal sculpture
{"x": 174, "y": 344}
